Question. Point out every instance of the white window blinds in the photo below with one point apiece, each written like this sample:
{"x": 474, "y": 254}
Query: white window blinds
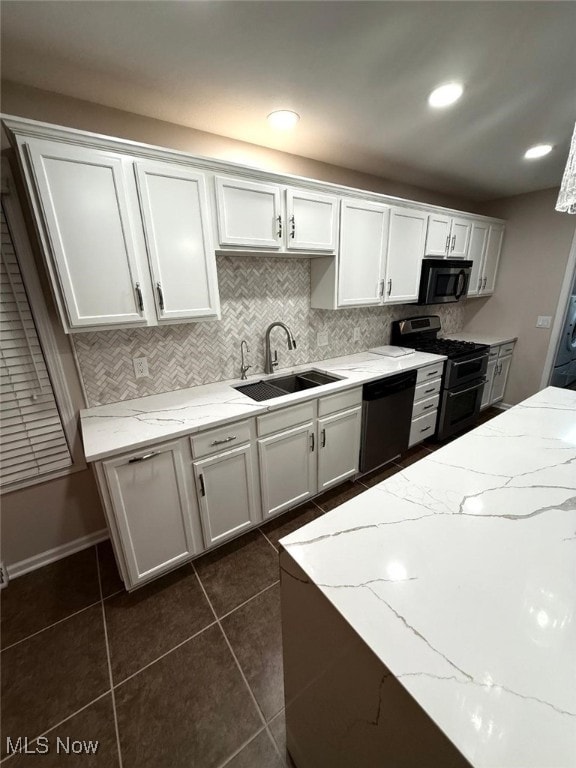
{"x": 32, "y": 442}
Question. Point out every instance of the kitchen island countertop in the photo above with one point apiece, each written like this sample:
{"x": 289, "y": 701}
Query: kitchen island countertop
{"x": 459, "y": 574}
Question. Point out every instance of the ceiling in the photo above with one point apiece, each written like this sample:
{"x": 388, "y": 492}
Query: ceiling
{"x": 359, "y": 74}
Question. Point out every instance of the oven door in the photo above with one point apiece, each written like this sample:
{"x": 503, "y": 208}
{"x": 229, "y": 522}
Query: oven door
{"x": 462, "y": 371}
{"x": 460, "y": 408}
{"x": 443, "y": 283}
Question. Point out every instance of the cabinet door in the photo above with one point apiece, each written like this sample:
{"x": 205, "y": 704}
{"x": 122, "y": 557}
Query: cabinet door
{"x": 312, "y": 221}
{"x": 405, "y": 253}
{"x": 500, "y": 378}
{"x": 249, "y": 214}
{"x": 487, "y": 391}
{"x": 363, "y": 239}
{"x": 460, "y": 238}
{"x": 493, "y": 248}
{"x": 338, "y": 447}
{"x": 438, "y": 235}
{"x": 226, "y": 489}
{"x": 478, "y": 240}
{"x": 85, "y": 206}
{"x": 177, "y": 224}
{"x": 152, "y": 501}
{"x": 287, "y": 468}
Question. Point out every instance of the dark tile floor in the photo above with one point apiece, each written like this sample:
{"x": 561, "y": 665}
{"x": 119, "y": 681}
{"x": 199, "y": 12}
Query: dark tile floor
{"x": 185, "y": 672}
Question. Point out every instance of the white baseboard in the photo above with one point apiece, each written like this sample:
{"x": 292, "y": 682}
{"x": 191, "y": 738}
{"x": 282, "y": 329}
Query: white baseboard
{"x": 51, "y": 555}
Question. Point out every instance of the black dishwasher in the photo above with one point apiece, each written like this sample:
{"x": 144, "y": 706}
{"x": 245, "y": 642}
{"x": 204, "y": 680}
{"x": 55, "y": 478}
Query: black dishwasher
{"x": 386, "y": 419}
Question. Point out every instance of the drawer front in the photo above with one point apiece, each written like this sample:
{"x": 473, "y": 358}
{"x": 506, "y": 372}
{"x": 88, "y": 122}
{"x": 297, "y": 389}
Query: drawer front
{"x": 429, "y": 372}
{"x": 341, "y": 401}
{"x": 506, "y": 349}
{"x": 427, "y": 389}
{"x": 493, "y": 354}
{"x": 286, "y": 418}
{"x": 421, "y": 428}
{"x": 214, "y": 440}
{"x": 423, "y": 407}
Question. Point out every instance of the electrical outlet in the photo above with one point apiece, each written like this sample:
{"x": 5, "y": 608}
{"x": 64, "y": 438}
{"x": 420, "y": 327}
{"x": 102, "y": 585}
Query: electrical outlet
{"x": 322, "y": 338}
{"x": 356, "y": 336}
{"x": 140, "y": 367}
{"x": 544, "y": 321}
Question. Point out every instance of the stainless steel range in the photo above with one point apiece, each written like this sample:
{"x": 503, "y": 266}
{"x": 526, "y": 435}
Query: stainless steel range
{"x": 464, "y": 372}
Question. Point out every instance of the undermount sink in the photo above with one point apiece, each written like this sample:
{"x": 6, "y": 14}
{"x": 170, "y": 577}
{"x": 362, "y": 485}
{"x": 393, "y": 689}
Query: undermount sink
{"x": 285, "y": 385}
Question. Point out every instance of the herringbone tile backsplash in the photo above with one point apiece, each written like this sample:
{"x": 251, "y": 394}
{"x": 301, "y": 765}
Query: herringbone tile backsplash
{"x": 254, "y": 292}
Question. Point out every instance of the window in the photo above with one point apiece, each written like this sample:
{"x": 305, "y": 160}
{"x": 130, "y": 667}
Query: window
{"x": 34, "y": 446}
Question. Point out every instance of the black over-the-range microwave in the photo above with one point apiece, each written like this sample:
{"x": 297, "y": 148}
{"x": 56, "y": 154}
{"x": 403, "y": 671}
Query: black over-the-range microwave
{"x": 444, "y": 280}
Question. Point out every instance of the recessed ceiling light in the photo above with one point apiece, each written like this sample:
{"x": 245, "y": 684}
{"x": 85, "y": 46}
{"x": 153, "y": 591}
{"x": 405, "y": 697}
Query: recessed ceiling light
{"x": 283, "y": 119}
{"x": 539, "y": 150}
{"x": 445, "y": 95}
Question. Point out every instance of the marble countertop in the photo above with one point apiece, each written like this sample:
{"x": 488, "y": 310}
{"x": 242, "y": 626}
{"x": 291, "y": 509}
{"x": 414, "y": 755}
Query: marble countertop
{"x": 459, "y": 573}
{"x": 109, "y": 430}
{"x": 481, "y": 338}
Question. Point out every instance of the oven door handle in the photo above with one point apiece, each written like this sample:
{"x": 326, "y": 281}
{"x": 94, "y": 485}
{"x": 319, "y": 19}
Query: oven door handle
{"x": 472, "y": 360}
{"x": 463, "y": 392}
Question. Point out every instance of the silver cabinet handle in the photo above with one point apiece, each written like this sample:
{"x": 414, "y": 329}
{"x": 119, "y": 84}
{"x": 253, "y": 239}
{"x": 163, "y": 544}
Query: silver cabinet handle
{"x": 323, "y": 438}
{"x": 453, "y": 242}
{"x": 202, "y": 486}
{"x": 425, "y": 429}
{"x": 279, "y": 220}
{"x": 160, "y": 296}
{"x": 143, "y": 458}
{"x": 429, "y": 390}
{"x": 389, "y": 286}
{"x": 226, "y": 440}
{"x": 292, "y": 227}
{"x": 447, "y": 244}
{"x": 432, "y": 373}
{"x": 484, "y": 283}
{"x": 139, "y": 299}
{"x": 312, "y": 442}
{"x": 479, "y": 283}
{"x": 381, "y": 288}
{"x": 465, "y": 362}
{"x": 427, "y": 407}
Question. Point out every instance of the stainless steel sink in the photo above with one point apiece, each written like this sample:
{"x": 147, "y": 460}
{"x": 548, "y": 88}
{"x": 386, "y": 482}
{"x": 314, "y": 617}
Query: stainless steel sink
{"x": 285, "y": 385}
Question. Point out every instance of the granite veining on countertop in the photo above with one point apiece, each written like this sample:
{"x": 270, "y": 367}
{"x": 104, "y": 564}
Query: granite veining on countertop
{"x": 459, "y": 573}
{"x": 108, "y": 430}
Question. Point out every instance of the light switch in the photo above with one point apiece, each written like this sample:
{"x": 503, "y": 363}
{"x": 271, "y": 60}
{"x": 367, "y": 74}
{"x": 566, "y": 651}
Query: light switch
{"x": 356, "y": 334}
{"x": 544, "y": 321}
{"x": 322, "y": 338}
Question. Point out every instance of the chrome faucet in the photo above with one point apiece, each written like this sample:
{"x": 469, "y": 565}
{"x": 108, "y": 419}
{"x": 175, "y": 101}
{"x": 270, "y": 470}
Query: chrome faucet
{"x": 244, "y": 368}
{"x": 271, "y": 362}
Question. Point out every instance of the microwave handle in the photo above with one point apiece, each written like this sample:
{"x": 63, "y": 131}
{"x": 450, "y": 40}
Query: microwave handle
{"x": 462, "y": 284}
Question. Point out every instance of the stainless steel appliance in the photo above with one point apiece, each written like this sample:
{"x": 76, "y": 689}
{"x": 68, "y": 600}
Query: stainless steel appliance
{"x": 444, "y": 280}
{"x": 464, "y": 372}
{"x": 386, "y": 418}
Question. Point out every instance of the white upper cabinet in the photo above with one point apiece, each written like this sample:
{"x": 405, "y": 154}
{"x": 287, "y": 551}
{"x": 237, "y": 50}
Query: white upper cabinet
{"x": 447, "y": 236}
{"x": 363, "y": 243}
{"x": 253, "y": 215}
{"x": 312, "y": 221}
{"x": 85, "y": 207}
{"x": 249, "y": 214}
{"x": 485, "y": 247}
{"x": 177, "y": 225}
{"x": 476, "y": 251}
{"x": 405, "y": 252}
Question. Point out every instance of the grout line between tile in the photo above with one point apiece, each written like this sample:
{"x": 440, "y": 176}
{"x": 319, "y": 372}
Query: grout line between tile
{"x": 39, "y": 632}
{"x": 116, "y": 727}
{"x": 57, "y": 725}
{"x": 323, "y": 511}
{"x": 274, "y": 583}
{"x": 229, "y": 759}
{"x": 167, "y": 653}
{"x": 225, "y": 636}
{"x": 268, "y": 540}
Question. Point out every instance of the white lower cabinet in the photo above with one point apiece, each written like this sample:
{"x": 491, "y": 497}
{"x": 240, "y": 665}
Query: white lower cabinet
{"x": 338, "y": 447}
{"x": 154, "y": 509}
{"x": 287, "y": 468}
{"x": 487, "y": 391}
{"x": 500, "y": 379}
{"x": 226, "y": 486}
{"x": 497, "y": 373}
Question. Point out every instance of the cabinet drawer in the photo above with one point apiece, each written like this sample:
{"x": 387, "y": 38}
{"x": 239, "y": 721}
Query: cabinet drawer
{"x": 285, "y": 418}
{"x": 216, "y": 440}
{"x": 506, "y": 349}
{"x": 429, "y": 372}
{"x": 427, "y": 389}
{"x": 339, "y": 402}
{"x": 425, "y": 406}
{"x": 421, "y": 428}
